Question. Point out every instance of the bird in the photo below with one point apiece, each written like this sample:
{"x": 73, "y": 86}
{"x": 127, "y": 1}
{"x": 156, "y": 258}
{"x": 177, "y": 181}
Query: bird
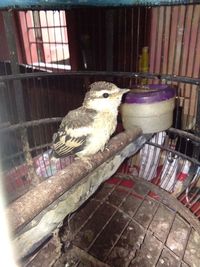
{"x": 86, "y": 130}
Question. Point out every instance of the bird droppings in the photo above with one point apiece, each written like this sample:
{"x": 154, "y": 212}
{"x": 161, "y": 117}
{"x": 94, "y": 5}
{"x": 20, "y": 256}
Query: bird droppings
{"x": 192, "y": 254}
{"x": 161, "y": 222}
{"x": 162, "y": 261}
{"x": 118, "y": 227}
{"x": 178, "y": 236}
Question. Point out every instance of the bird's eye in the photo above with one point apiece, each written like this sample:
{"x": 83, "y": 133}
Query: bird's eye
{"x": 105, "y": 95}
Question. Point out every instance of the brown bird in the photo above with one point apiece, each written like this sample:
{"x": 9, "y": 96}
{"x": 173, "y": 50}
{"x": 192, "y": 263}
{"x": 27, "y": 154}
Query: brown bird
{"x": 85, "y": 130}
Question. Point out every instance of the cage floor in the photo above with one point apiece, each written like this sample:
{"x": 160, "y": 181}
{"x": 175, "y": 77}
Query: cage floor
{"x": 124, "y": 224}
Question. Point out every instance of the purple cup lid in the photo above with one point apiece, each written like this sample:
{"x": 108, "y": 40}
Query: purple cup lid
{"x": 153, "y": 93}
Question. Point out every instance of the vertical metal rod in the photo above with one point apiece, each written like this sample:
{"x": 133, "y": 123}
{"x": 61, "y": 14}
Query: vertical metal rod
{"x": 55, "y": 38}
{"x": 9, "y": 29}
{"x": 137, "y": 43}
{"x": 109, "y": 39}
{"x": 38, "y": 35}
{"x": 8, "y": 18}
{"x": 198, "y": 113}
{"x": 125, "y": 39}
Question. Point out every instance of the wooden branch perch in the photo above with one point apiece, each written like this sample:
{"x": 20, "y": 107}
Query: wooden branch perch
{"x": 37, "y": 213}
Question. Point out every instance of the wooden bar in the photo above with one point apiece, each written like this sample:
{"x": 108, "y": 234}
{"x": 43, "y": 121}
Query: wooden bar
{"x": 172, "y": 40}
{"x": 24, "y": 209}
{"x": 41, "y": 227}
{"x": 166, "y": 38}
{"x": 159, "y": 43}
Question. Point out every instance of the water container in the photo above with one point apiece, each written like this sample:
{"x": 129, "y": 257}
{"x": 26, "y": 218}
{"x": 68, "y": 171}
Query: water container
{"x": 150, "y": 107}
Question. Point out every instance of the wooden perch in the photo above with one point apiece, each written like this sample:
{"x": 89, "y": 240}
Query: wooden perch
{"x": 36, "y": 214}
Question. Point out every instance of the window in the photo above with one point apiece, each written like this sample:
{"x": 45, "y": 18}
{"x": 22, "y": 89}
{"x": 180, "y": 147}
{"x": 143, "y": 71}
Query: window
{"x": 45, "y": 39}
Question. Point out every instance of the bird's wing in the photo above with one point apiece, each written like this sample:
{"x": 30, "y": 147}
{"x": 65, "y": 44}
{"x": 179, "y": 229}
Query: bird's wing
{"x": 74, "y": 130}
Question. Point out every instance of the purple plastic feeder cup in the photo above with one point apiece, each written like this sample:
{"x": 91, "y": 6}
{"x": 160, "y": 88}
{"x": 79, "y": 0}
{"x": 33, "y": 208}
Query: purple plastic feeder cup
{"x": 150, "y": 108}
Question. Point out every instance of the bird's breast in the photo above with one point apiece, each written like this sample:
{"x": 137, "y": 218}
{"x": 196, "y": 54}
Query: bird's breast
{"x": 103, "y": 127}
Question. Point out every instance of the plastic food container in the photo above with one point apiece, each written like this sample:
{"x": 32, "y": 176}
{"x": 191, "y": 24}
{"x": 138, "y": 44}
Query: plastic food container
{"x": 150, "y": 108}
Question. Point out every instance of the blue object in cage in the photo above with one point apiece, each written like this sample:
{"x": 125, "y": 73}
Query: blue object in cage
{"x": 27, "y": 4}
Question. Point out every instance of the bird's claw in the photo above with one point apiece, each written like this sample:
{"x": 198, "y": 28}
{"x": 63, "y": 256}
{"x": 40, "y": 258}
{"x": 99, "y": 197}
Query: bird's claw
{"x": 104, "y": 148}
{"x": 86, "y": 160}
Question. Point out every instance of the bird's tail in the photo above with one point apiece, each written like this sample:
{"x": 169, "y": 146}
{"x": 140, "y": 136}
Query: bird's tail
{"x": 53, "y": 155}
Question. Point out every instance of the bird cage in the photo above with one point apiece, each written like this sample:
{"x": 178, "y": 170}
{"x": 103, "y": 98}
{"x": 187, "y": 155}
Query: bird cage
{"x": 137, "y": 202}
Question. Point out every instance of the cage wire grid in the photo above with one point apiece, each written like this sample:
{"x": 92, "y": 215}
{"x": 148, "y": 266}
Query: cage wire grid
{"x": 41, "y": 68}
{"x": 189, "y": 141}
{"x": 132, "y": 229}
{"x": 189, "y": 194}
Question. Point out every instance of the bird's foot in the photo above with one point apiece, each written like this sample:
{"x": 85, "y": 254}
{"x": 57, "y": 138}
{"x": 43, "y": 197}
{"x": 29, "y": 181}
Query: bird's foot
{"x": 105, "y": 148}
{"x": 53, "y": 160}
{"x": 86, "y": 160}
{"x": 102, "y": 149}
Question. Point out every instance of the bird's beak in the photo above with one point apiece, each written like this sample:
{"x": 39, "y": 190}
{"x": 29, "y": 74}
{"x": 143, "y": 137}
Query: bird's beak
{"x": 120, "y": 93}
{"x": 123, "y": 91}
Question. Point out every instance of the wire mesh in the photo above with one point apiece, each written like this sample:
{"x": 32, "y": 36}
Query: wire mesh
{"x": 52, "y": 91}
{"x": 45, "y": 39}
{"x": 103, "y": 44}
{"x": 135, "y": 226}
{"x": 171, "y": 161}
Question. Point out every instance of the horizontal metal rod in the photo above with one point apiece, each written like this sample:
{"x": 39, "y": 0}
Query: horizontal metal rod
{"x": 185, "y": 134}
{"x": 46, "y": 27}
{"x": 30, "y": 124}
{"x": 175, "y": 152}
{"x": 59, "y": 5}
{"x": 18, "y": 154}
{"x": 49, "y": 43}
{"x": 24, "y": 209}
{"x": 147, "y": 75}
{"x": 168, "y": 199}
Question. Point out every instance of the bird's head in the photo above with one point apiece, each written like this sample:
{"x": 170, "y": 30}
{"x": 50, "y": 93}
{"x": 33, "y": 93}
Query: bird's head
{"x": 104, "y": 96}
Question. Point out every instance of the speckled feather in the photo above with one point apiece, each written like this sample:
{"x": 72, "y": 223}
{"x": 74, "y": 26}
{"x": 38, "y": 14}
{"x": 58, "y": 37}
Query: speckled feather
{"x": 63, "y": 142}
{"x": 86, "y": 130}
